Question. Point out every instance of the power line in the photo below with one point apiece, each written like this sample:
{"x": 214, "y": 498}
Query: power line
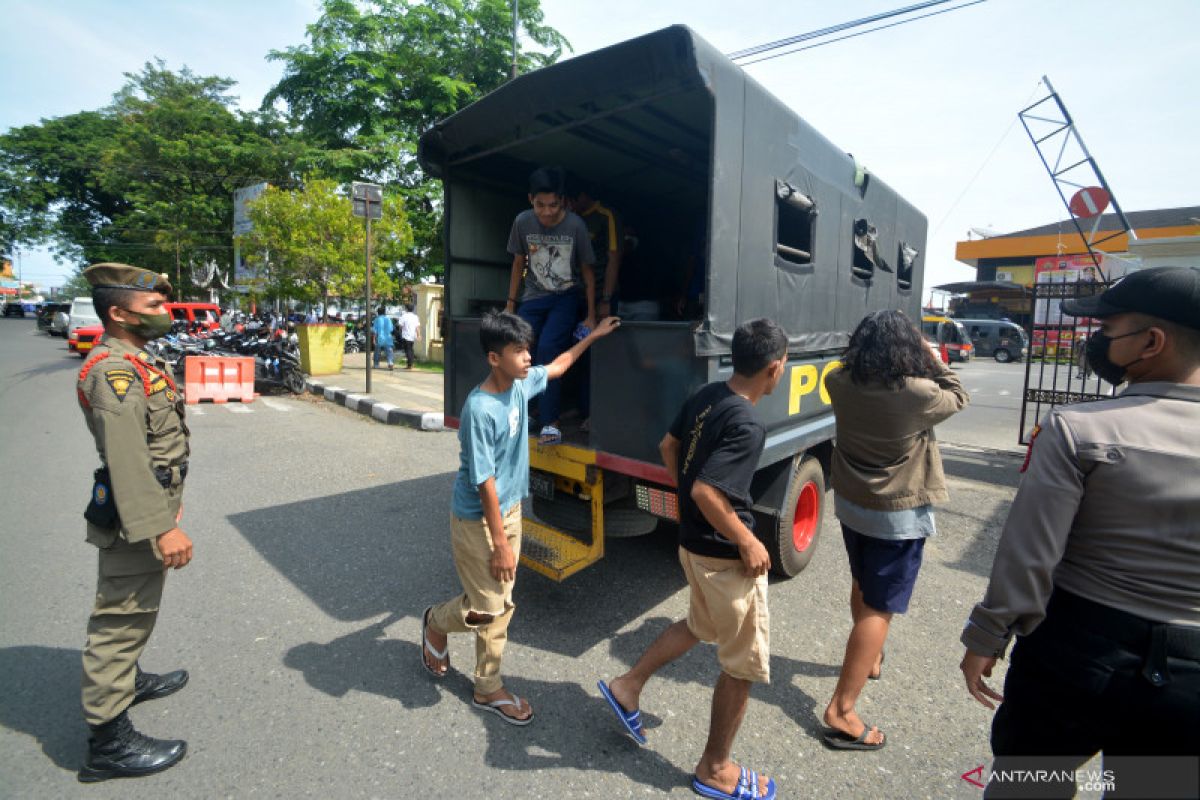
{"x": 862, "y": 33}
{"x": 762, "y": 48}
{"x": 982, "y": 166}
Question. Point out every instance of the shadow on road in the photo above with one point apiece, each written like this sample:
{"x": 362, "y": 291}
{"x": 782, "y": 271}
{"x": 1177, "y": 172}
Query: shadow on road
{"x": 364, "y": 661}
{"x": 372, "y": 552}
{"x": 992, "y": 469}
{"x": 41, "y": 699}
{"x": 700, "y": 666}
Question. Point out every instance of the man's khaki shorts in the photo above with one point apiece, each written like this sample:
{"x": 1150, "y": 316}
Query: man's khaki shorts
{"x": 729, "y": 608}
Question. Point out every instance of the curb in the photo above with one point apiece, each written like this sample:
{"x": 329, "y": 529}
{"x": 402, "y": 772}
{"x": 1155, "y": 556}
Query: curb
{"x": 377, "y": 410}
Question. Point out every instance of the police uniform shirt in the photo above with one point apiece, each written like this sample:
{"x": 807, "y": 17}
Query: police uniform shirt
{"x": 1108, "y": 509}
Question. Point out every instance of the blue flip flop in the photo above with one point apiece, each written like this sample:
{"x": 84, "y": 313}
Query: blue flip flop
{"x": 746, "y": 789}
{"x": 632, "y": 721}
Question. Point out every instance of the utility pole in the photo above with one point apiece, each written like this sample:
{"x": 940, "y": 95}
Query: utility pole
{"x": 366, "y": 201}
{"x": 516, "y": 27}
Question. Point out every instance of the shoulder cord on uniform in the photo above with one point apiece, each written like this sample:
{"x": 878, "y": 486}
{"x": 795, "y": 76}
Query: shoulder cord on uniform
{"x": 93, "y": 361}
{"x": 153, "y": 370}
{"x": 83, "y": 373}
{"x": 141, "y": 371}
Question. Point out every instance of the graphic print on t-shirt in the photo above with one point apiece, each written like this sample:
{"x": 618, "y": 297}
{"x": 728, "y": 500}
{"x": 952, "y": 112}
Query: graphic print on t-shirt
{"x": 550, "y": 260}
{"x": 514, "y": 421}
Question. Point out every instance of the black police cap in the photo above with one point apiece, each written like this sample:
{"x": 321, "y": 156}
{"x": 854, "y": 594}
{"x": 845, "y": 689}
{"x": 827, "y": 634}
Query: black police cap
{"x": 1170, "y": 293}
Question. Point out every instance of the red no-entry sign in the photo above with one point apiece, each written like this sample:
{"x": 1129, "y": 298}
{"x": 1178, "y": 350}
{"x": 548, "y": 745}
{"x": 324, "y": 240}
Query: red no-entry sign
{"x": 1087, "y": 203}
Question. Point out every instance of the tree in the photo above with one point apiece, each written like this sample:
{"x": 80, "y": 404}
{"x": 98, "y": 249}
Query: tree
{"x": 375, "y": 74}
{"x": 306, "y": 245}
{"x": 147, "y": 180}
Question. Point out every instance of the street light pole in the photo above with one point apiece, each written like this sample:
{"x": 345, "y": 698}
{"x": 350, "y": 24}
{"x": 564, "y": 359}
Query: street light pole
{"x": 366, "y": 201}
{"x": 371, "y": 330}
{"x": 516, "y": 24}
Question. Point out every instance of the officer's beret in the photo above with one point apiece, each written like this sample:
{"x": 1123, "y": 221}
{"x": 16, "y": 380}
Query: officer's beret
{"x": 1170, "y": 293}
{"x": 124, "y": 276}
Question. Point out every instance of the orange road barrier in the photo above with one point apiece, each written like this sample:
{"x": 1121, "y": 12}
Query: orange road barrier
{"x": 218, "y": 378}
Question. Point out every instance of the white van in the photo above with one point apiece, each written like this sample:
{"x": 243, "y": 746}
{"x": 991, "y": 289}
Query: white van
{"x": 82, "y": 313}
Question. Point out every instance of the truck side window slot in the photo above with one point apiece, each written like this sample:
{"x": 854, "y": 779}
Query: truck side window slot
{"x": 866, "y": 251}
{"x": 904, "y": 272}
{"x": 795, "y": 221}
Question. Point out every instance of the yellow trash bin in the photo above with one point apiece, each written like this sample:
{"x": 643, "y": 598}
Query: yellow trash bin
{"x": 321, "y": 348}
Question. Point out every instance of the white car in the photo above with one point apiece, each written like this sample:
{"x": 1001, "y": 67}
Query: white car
{"x": 82, "y": 313}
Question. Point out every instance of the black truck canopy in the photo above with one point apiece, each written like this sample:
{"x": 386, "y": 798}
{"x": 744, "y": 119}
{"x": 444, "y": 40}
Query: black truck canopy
{"x": 783, "y": 223}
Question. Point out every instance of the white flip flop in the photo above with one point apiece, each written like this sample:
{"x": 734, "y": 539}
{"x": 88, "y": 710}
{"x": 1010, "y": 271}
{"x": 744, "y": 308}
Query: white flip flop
{"x": 433, "y": 651}
{"x": 495, "y": 706}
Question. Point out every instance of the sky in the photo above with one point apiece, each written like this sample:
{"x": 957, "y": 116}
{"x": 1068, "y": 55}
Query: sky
{"x": 929, "y": 107}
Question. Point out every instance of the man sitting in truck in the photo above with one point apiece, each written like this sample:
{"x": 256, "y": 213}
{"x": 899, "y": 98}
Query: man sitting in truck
{"x": 712, "y": 449}
{"x": 550, "y": 246}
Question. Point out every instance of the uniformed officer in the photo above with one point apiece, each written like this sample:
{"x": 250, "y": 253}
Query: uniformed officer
{"x": 134, "y": 411}
{"x": 1097, "y": 572}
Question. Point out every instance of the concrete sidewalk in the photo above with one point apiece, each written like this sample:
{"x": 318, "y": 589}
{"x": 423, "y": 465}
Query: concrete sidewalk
{"x": 399, "y": 397}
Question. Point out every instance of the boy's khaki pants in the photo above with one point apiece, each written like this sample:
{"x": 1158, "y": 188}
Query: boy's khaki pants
{"x": 472, "y": 546}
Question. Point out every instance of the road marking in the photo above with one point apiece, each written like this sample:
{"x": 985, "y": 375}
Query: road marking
{"x": 274, "y": 404}
{"x": 973, "y": 391}
{"x": 238, "y": 408}
{"x": 196, "y": 411}
{"x": 1004, "y": 392}
{"x": 432, "y": 395}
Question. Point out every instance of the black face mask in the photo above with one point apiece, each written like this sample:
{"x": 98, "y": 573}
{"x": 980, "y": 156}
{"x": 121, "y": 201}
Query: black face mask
{"x": 1096, "y": 351}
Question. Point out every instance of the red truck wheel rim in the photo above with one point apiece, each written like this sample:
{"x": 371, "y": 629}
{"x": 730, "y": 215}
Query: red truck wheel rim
{"x": 804, "y": 520}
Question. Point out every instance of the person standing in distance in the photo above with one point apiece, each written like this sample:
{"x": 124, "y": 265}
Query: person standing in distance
{"x": 133, "y": 409}
{"x": 383, "y": 328}
{"x": 410, "y": 333}
{"x": 1097, "y": 572}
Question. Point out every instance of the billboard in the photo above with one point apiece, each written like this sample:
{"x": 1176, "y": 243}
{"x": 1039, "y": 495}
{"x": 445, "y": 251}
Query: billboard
{"x": 241, "y": 218}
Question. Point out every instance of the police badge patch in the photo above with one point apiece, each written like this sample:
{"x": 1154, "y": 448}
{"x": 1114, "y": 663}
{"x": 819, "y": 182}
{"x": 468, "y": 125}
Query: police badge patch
{"x": 119, "y": 381}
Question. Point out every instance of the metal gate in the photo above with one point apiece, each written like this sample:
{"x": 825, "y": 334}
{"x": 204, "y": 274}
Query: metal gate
{"x": 1056, "y": 372}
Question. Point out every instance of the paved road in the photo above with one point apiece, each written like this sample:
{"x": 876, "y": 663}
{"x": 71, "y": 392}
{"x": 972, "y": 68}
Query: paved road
{"x": 320, "y": 536}
{"x": 993, "y": 419}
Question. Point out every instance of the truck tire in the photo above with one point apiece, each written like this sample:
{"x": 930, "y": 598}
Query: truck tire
{"x": 621, "y": 520}
{"x": 793, "y": 539}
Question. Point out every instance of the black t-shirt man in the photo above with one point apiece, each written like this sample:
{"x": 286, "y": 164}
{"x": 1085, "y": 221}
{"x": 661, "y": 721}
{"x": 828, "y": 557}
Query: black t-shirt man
{"x": 720, "y": 444}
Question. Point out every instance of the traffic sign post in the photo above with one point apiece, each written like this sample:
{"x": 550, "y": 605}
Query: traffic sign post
{"x": 366, "y": 201}
{"x": 1089, "y": 202}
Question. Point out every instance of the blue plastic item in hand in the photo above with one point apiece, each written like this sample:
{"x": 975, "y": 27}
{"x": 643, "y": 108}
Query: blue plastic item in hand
{"x": 581, "y": 332}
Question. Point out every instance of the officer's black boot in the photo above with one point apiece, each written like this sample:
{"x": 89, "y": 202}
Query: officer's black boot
{"x": 148, "y": 686}
{"x": 117, "y": 750}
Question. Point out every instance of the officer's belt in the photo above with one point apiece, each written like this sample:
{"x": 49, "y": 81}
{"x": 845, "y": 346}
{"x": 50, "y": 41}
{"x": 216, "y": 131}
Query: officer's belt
{"x": 1156, "y": 640}
{"x": 171, "y": 476}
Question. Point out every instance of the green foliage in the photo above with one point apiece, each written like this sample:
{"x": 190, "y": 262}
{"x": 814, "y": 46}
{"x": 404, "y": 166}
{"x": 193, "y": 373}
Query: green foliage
{"x": 306, "y": 245}
{"x": 375, "y": 74}
{"x": 378, "y": 71}
{"x": 148, "y": 180}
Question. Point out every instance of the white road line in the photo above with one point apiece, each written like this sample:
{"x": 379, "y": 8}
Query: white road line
{"x": 974, "y": 390}
{"x": 196, "y": 411}
{"x": 238, "y": 408}
{"x": 1004, "y": 392}
{"x": 274, "y": 405}
{"x": 401, "y": 389}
